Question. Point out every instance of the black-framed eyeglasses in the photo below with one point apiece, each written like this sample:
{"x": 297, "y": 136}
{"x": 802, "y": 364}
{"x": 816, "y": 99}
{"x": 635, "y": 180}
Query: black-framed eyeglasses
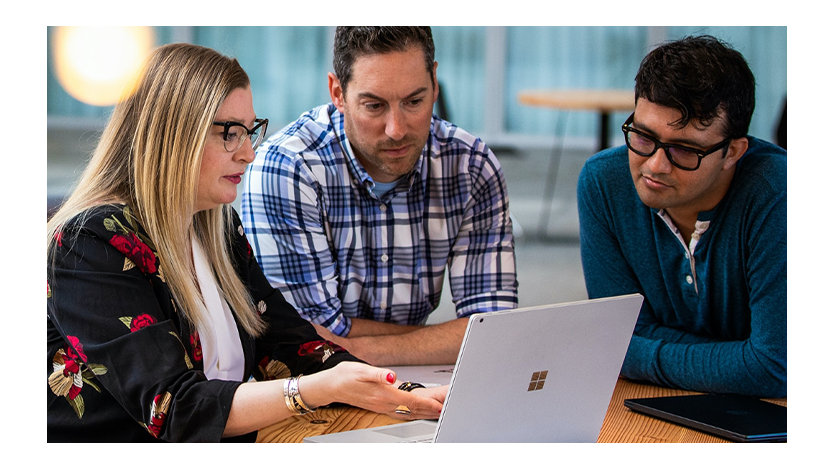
{"x": 234, "y": 133}
{"x": 683, "y": 157}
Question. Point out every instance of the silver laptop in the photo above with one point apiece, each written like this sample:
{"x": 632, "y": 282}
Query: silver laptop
{"x": 535, "y": 374}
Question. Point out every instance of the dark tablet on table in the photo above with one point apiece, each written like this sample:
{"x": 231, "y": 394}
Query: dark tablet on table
{"x": 733, "y": 417}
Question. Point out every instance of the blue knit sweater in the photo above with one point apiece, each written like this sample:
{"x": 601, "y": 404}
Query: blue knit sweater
{"x": 721, "y": 328}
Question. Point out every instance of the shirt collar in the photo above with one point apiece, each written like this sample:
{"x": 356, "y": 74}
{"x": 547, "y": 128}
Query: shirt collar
{"x": 358, "y": 173}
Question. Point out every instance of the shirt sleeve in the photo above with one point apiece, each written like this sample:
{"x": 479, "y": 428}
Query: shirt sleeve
{"x": 119, "y": 340}
{"x": 482, "y": 269}
{"x": 286, "y": 222}
{"x": 674, "y": 357}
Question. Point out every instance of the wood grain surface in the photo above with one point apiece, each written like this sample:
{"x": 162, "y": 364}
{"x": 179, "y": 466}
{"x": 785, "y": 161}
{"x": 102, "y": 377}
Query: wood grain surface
{"x": 620, "y": 424}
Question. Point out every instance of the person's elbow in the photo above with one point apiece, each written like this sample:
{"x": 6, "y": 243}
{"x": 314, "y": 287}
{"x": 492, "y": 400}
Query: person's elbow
{"x": 772, "y": 372}
{"x": 774, "y": 387}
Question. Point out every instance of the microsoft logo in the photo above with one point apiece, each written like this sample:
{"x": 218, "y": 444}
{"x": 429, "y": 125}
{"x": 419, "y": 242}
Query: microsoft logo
{"x": 537, "y": 380}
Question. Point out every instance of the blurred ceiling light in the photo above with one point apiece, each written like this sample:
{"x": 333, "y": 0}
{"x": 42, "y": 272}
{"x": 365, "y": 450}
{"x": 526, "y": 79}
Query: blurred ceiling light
{"x": 98, "y": 65}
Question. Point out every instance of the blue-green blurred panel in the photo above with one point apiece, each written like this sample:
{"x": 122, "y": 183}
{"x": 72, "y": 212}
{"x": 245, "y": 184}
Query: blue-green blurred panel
{"x": 288, "y": 68}
{"x": 567, "y": 57}
{"x": 460, "y": 56}
{"x": 287, "y": 65}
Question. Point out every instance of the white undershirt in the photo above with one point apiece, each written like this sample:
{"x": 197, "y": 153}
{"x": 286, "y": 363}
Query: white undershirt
{"x": 222, "y": 351}
{"x": 701, "y": 226}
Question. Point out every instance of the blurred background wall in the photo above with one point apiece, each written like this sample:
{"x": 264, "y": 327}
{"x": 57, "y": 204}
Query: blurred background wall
{"x": 481, "y": 69}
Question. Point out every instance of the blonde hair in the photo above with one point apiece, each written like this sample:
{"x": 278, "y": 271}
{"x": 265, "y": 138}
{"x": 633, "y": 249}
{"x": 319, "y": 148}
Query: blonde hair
{"x": 149, "y": 158}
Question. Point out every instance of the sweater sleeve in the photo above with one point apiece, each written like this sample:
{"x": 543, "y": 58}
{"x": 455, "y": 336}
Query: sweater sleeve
{"x": 604, "y": 262}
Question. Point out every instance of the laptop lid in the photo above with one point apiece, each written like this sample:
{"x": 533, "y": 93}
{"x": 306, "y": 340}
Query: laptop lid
{"x": 538, "y": 374}
{"x": 534, "y": 374}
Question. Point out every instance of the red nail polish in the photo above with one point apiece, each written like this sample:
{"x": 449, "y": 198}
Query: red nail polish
{"x": 390, "y": 377}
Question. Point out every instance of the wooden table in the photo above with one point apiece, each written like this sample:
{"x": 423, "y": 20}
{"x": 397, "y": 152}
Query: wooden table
{"x": 620, "y": 424}
{"x": 623, "y": 425}
{"x": 604, "y": 102}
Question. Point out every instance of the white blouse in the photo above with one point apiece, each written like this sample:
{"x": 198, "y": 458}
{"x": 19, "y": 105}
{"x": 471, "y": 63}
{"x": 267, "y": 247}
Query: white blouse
{"x": 222, "y": 352}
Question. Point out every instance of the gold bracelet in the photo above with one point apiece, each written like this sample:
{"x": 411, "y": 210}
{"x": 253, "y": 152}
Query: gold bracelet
{"x": 297, "y": 398}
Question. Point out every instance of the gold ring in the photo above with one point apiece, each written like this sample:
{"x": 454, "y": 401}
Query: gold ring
{"x": 402, "y": 410}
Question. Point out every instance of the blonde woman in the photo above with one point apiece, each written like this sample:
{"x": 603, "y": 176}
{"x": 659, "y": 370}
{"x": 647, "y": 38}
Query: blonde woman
{"x": 158, "y": 315}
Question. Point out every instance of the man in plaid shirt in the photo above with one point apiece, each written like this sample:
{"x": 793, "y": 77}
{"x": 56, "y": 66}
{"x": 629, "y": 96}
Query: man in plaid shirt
{"x": 356, "y": 209}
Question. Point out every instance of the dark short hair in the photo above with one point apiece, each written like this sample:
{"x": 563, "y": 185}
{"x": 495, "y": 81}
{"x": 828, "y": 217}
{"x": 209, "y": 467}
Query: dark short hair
{"x": 700, "y": 77}
{"x": 351, "y": 42}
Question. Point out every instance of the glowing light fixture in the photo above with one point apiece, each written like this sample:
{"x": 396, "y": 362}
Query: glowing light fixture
{"x": 98, "y": 65}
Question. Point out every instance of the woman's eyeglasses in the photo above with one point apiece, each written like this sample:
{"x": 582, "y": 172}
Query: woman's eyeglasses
{"x": 234, "y": 133}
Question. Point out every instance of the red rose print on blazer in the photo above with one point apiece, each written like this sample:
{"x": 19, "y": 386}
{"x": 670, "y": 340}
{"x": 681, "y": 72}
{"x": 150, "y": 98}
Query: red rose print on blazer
{"x": 70, "y": 372}
{"x": 140, "y": 321}
{"x": 321, "y": 349}
{"x": 77, "y": 350}
{"x": 159, "y": 413}
{"x": 196, "y": 346}
{"x": 135, "y": 250}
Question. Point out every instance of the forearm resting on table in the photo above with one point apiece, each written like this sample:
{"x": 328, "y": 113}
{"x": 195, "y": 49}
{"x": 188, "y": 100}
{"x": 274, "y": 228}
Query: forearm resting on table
{"x": 363, "y": 327}
{"x": 386, "y": 344}
{"x": 255, "y": 406}
{"x": 259, "y": 404}
{"x": 717, "y": 366}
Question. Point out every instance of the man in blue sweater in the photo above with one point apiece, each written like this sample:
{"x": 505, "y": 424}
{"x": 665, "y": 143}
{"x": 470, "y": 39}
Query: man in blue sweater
{"x": 692, "y": 214}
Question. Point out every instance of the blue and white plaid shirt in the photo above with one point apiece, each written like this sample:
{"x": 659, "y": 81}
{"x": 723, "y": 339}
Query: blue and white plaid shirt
{"x": 337, "y": 251}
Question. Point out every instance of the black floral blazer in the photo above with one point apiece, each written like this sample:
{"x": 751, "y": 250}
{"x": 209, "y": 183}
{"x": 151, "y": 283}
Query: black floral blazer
{"x": 124, "y": 366}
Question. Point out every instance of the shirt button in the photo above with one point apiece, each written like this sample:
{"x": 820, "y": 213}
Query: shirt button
{"x": 383, "y": 305}
{"x": 382, "y": 207}
{"x": 384, "y": 258}
{"x": 689, "y": 279}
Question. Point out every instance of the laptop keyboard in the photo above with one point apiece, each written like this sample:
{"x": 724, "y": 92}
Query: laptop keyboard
{"x": 415, "y": 431}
